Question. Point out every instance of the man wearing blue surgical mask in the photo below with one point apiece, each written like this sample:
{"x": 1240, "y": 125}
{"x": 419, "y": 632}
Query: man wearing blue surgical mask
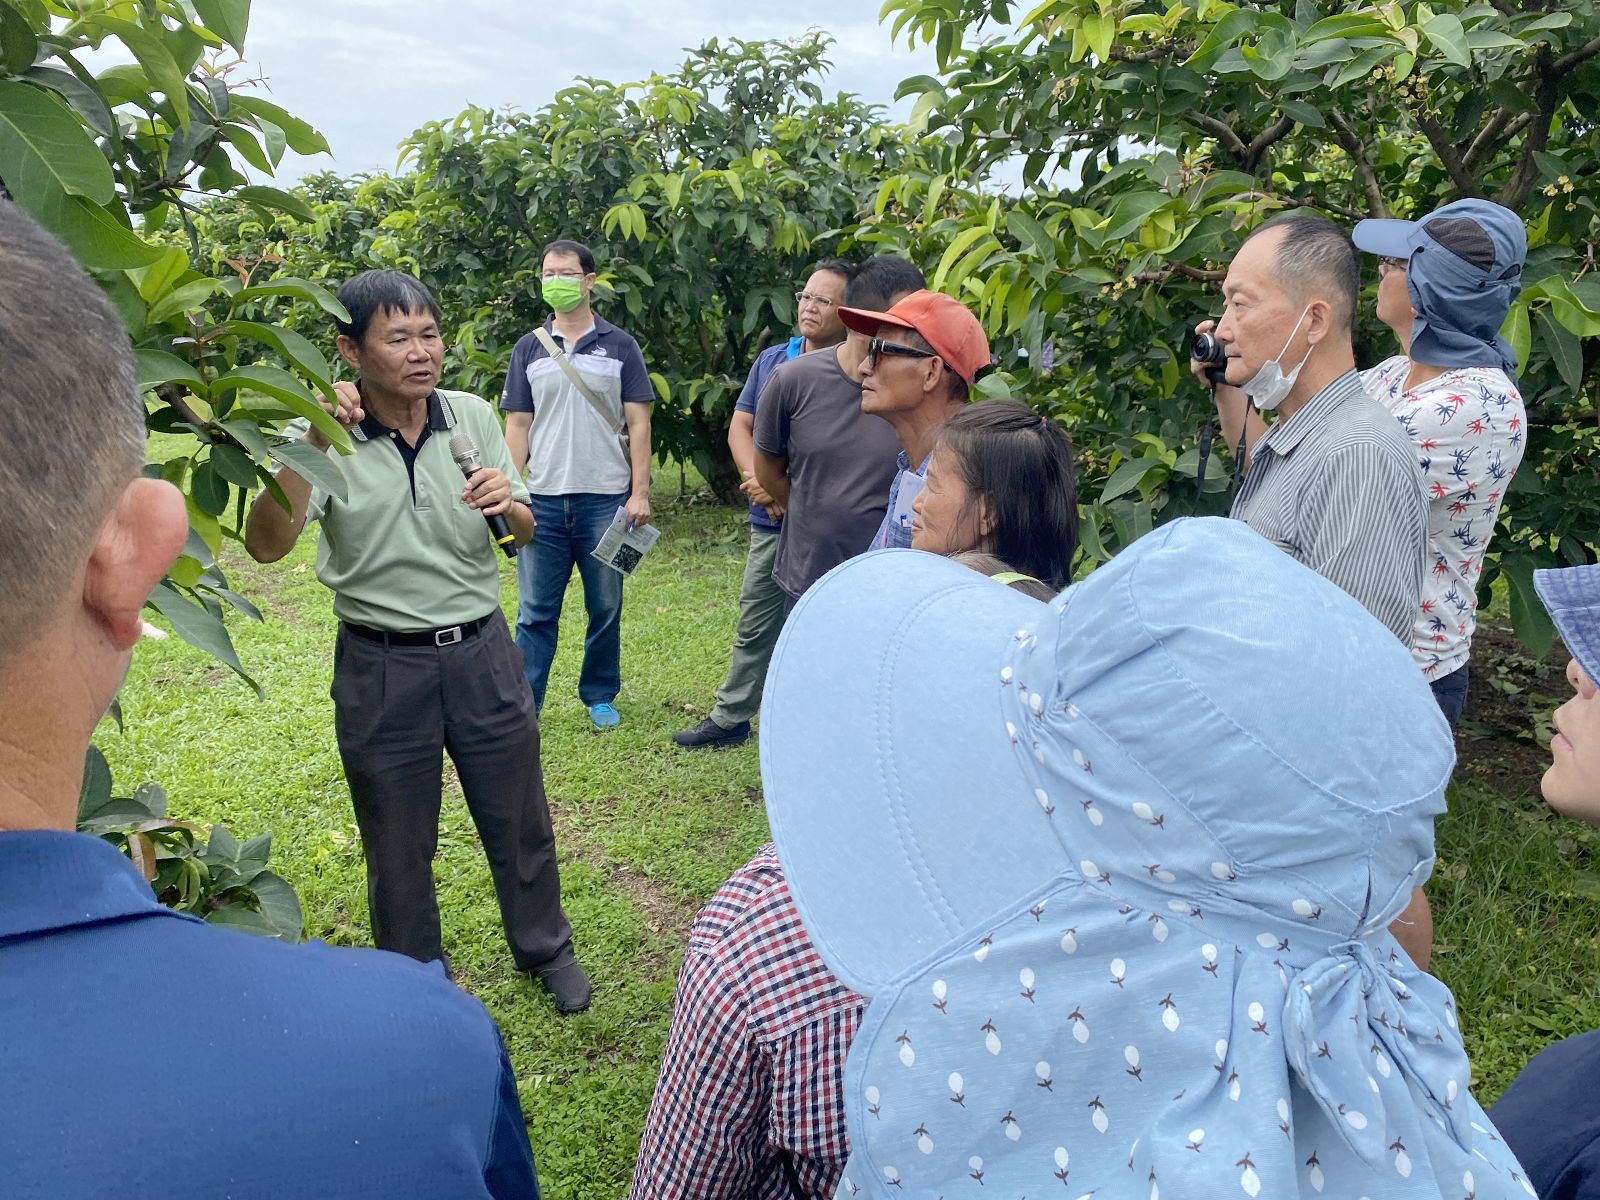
{"x": 1334, "y": 480}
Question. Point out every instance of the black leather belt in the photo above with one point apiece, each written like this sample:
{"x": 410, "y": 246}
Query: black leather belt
{"x": 449, "y": 635}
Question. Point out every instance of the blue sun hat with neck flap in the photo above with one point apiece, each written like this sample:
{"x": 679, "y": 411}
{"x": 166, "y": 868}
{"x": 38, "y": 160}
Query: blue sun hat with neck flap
{"x": 1116, "y": 873}
{"x": 1463, "y": 270}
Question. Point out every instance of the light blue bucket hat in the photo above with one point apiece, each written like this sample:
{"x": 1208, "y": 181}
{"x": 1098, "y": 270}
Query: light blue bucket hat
{"x": 1116, "y": 874}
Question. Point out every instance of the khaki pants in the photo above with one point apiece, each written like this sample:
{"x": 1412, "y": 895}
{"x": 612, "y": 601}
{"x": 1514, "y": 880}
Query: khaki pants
{"x": 761, "y": 612}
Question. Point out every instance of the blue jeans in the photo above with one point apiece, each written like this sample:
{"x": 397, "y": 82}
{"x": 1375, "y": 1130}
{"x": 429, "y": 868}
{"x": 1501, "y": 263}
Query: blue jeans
{"x": 569, "y": 528}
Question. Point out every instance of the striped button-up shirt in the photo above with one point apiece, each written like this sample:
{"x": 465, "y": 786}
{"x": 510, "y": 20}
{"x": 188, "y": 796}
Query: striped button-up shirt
{"x": 1337, "y": 486}
{"x": 754, "y": 1065}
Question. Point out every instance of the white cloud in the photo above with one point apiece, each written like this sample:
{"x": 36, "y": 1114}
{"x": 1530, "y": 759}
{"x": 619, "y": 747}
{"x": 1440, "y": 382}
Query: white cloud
{"x": 369, "y": 72}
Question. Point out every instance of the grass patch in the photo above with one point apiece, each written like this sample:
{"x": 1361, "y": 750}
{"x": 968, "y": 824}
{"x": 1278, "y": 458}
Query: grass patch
{"x": 647, "y": 832}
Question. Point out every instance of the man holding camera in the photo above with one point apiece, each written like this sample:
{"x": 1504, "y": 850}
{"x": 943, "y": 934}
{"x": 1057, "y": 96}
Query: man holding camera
{"x": 1334, "y": 480}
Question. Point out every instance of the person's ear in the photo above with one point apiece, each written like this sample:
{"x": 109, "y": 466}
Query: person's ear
{"x": 137, "y": 542}
{"x": 1319, "y": 321}
{"x": 350, "y": 351}
{"x": 986, "y": 518}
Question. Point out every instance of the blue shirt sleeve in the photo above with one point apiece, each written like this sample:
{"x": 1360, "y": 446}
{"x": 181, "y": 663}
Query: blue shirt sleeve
{"x": 517, "y": 396}
{"x": 759, "y": 372}
{"x": 636, "y": 385}
{"x": 508, "y": 1171}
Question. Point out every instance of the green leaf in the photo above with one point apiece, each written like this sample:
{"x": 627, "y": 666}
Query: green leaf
{"x": 279, "y": 905}
{"x": 158, "y": 366}
{"x": 45, "y": 150}
{"x": 296, "y": 289}
{"x": 222, "y": 845}
{"x": 958, "y": 246}
{"x": 95, "y": 792}
{"x": 1223, "y": 34}
{"x": 209, "y": 489}
{"x": 234, "y": 465}
{"x": 297, "y": 349}
{"x": 84, "y": 99}
{"x": 228, "y": 19}
{"x": 248, "y": 434}
{"x": 18, "y": 45}
{"x": 159, "y": 277}
{"x": 199, "y": 627}
{"x": 94, "y": 235}
{"x": 1564, "y": 349}
{"x": 1030, "y": 234}
{"x": 239, "y": 916}
{"x": 183, "y": 299}
{"x": 1516, "y": 330}
{"x": 1449, "y": 38}
{"x": 1529, "y": 619}
{"x": 1098, "y": 30}
{"x": 153, "y": 57}
{"x": 312, "y": 465}
{"x": 301, "y": 137}
{"x": 286, "y": 389}
{"x": 276, "y": 198}
{"x": 1129, "y": 476}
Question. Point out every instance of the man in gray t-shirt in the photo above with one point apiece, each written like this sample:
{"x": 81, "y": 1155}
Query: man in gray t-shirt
{"x": 840, "y": 462}
{"x": 825, "y": 461}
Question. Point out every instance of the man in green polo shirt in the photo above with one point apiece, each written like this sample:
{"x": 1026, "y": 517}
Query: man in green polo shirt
{"x": 423, "y": 664}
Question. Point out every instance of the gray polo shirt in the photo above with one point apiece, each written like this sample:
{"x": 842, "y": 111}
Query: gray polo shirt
{"x": 841, "y": 463}
{"x": 403, "y": 551}
{"x": 1337, "y": 486}
{"x": 572, "y": 450}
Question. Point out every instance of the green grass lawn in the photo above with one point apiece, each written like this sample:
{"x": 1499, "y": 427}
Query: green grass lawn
{"x": 647, "y": 832}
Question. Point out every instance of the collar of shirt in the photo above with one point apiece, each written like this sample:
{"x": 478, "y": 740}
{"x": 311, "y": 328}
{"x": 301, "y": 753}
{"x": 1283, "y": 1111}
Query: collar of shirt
{"x": 376, "y": 429}
{"x": 50, "y": 880}
{"x": 1283, "y": 437}
{"x": 598, "y": 330}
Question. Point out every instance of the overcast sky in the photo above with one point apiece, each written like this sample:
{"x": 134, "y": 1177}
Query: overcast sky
{"x": 368, "y": 72}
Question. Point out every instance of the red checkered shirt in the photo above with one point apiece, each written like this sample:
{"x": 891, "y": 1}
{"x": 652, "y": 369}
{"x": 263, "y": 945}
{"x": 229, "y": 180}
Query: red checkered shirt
{"x": 754, "y": 1064}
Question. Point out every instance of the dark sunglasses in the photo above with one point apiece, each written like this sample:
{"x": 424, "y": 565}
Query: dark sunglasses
{"x": 878, "y": 346}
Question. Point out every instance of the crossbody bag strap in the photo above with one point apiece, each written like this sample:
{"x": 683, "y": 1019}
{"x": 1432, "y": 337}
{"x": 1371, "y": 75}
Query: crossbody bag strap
{"x": 571, "y": 372}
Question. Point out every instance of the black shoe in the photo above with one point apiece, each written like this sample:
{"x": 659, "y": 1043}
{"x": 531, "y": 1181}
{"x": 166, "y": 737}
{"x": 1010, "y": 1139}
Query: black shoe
{"x": 568, "y": 986}
{"x": 708, "y": 733}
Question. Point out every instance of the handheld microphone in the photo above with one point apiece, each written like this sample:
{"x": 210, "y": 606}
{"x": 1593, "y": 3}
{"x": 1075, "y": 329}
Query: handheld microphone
{"x": 466, "y": 455}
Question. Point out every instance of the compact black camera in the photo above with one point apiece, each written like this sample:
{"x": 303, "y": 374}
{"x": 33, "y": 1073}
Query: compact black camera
{"x": 1206, "y": 348}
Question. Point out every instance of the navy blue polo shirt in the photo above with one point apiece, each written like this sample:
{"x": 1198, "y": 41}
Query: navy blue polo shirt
{"x": 760, "y": 371}
{"x": 1550, "y": 1117}
{"x": 144, "y": 1053}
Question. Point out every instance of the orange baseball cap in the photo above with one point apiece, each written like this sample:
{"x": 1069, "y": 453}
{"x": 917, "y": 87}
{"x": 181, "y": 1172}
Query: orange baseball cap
{"x": 943, "y": 322}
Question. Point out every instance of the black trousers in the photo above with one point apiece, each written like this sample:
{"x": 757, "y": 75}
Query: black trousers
{"x": 397, "y": 711}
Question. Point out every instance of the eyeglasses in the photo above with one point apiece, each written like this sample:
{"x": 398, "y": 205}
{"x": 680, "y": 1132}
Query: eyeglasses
{"x": 813, "y": 298}
{"x": 562, "y": 275}
{"x": 879, "y": 346}
{"x": 1387, "y": 263}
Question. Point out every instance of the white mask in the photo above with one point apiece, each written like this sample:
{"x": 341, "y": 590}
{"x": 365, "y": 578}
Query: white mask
{"x": 1269, "y": 386}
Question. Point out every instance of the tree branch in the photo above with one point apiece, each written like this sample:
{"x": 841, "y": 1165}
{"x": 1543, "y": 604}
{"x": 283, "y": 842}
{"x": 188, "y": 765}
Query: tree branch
{"x": 1154, "y": 54}
{"x": 1448, "y": 154}
{"x": 1526, "y": 172}
{"x": 1491, "y": 134}
{"x": 1348, "y": 214}
{"x": 1263, "y": 141}
{"x": 1573, "y": 57}
{"x": 1344, "y": 133}
{"x": 1221, "y": 130}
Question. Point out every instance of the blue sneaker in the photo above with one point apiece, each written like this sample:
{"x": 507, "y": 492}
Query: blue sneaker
{"x": 604, "y": 716}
